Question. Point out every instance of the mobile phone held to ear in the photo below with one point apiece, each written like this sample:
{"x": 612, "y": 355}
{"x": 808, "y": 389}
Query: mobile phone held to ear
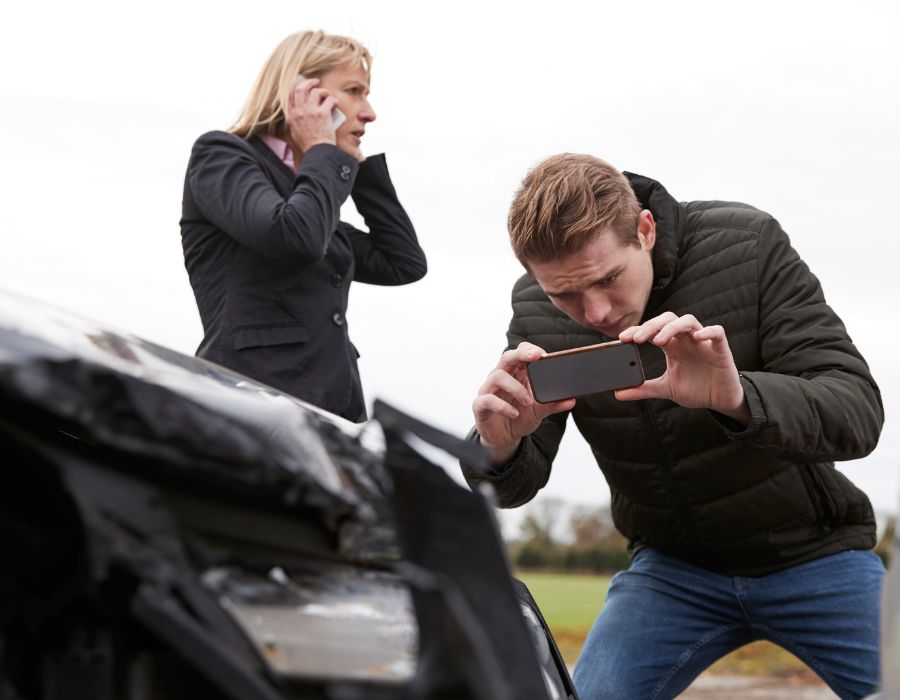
{"x": 593, "y": 369}
{"x": 337, "y": 116}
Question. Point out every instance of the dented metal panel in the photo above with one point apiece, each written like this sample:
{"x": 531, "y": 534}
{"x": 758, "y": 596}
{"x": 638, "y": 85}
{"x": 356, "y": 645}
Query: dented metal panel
{"x": 113, "y": 390}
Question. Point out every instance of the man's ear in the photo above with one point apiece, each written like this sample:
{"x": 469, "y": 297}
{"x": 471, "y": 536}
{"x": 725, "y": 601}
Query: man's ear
{"x": 646, "y": 230}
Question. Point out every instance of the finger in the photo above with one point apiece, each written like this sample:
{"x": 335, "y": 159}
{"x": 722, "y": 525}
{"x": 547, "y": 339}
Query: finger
{"x": 318, "y": 97}
{"x": 520, "y": 374}
{"x": 649, "y": 329}
{"x": 329, "y": 103}
{"x": 486, "y": 405}
{"x": 548, "y": 409}
{"x": 501, "y": 381}
{"x": 715, "y": 340}
{"x": 651, "y": 389}
{"x": 680, "y": 325}
{"x": 296, "y": 99}
{"x": 523, "y": 354}
{"x": 313, "y": 96}
{"x": 627, "y": 335}
{"x": 713, "y": 333}
{"x": 303, "y": 86}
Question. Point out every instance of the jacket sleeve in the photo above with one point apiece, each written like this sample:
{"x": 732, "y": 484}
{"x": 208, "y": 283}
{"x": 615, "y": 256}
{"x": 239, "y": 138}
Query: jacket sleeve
{"x": 234, "y": 193}
{"x": 518, "y": 482}
{"x": 815, "y": 399}
{"x": 389, "y": 253}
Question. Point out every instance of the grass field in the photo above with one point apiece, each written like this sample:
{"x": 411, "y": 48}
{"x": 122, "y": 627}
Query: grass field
{"x": 568, "y": 601}
{"x": 570, "y": 604}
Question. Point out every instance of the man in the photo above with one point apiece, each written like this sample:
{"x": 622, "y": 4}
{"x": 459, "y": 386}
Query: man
{"x": 721, "y": 465}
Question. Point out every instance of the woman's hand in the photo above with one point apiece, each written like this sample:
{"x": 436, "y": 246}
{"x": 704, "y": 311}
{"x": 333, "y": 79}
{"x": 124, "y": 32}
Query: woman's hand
{"x": 309, "y": 115}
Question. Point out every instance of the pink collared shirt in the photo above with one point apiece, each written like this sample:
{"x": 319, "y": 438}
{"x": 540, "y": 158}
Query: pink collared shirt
{"x": 281, "y": 149}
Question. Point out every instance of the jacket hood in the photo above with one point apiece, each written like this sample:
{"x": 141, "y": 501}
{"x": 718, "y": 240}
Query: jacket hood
{"x": 653, "y": 196}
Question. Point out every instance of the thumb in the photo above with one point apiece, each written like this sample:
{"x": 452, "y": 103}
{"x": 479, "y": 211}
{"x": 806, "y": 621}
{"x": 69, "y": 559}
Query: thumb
{"x": 548, "y": 409}
{"x": 651, "y": 389}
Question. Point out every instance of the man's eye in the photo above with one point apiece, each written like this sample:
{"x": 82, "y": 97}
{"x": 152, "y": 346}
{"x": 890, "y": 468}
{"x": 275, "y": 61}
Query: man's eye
{"x": 609, "y": 280}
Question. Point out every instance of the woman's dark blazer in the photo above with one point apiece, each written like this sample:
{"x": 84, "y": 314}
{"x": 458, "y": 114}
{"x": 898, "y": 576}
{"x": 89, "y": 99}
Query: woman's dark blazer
{"x": 271, "y": 263}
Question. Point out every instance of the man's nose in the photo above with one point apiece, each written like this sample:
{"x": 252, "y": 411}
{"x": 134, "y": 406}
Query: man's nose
{"x": 596, "y": 309}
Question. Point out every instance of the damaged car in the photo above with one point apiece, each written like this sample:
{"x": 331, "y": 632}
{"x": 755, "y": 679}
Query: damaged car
{"x": 172, "y": 529}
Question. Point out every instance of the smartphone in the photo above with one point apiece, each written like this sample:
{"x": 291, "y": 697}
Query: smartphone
{"x": 337, "y": 116}
{"x": 569, "y": 374}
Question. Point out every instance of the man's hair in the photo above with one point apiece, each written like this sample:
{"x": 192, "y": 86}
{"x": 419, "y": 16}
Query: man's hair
{"x": 310, "y": 54}
{"x": 565, "y": 201}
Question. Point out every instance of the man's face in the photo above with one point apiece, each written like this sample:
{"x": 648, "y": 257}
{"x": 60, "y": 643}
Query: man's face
{"x": 606, "y": 284}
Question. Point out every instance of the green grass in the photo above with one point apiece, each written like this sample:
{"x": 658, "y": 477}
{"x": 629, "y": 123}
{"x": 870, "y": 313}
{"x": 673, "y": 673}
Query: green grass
{"x": 567, "y": 601}
{"x": 570, "y": 604}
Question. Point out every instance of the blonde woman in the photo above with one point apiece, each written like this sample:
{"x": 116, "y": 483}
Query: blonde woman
{"x": 268, "y": 258}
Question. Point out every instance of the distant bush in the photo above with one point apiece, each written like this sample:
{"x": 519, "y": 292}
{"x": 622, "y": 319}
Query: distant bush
{"x": 539, "y": 555}
{"x": 886, "y": 544}
{"x": 592, "y": 560}
{"x": 592, "y": 545}
{"x": 597, "y": 560}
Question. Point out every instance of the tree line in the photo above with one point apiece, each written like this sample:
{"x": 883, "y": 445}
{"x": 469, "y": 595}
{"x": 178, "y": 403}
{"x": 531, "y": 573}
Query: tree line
{"x": 554, "y": 535}
{"x": 557, "y": 536}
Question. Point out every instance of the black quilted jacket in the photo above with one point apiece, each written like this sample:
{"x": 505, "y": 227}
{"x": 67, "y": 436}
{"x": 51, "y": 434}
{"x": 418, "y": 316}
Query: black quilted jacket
{"x": 690, "y": 481}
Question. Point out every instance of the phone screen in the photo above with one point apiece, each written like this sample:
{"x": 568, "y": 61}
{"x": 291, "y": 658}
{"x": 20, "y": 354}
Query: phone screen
{"x": 583, "y": 371}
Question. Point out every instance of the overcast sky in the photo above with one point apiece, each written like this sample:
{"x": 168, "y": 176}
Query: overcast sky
{"x": 791, "y": 107}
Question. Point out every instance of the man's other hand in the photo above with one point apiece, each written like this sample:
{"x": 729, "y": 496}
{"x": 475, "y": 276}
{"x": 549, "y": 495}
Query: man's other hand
{"x": 505, "y": 410}
{"x": 700, "y": 370}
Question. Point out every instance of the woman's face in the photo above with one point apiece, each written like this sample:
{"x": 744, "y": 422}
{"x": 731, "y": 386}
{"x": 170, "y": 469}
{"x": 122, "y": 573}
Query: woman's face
{"x": 349, "y": 85}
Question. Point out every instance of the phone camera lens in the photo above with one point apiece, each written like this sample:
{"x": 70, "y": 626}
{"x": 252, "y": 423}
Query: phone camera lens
{"x": 632, "y": 363}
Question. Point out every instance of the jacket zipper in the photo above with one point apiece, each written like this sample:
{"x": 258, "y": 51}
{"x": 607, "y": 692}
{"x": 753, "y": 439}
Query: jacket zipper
{"x": 662, "y": 460}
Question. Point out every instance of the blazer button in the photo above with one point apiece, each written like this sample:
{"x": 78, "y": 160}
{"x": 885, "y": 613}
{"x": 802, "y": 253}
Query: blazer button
{"x": 338, "y": 319}
{"x": 345, "y": 172}
{"x": 336, "y": 279}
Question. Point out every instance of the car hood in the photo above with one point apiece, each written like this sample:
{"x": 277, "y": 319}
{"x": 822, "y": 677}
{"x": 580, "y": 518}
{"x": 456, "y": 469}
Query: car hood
{"x": 63, "y": 376}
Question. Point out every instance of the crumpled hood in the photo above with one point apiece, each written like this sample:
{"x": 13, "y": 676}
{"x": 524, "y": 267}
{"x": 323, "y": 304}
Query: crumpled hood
{"x": 111, "y": 390}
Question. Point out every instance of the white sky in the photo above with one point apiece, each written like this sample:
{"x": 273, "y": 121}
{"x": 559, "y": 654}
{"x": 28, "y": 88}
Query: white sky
{"x": 792, "y": 107}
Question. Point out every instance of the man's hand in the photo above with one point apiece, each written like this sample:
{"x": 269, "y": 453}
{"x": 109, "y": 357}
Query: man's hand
{"x": 309, "y": 115}
{"x": 505, "y": 409}
{"x": 700, "y": 370}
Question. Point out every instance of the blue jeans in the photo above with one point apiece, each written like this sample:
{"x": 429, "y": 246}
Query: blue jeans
{"x": 666, "y": 621}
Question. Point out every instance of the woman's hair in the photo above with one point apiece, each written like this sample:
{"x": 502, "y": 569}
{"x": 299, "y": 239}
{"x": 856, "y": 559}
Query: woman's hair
{"x": 565, "y": 201}
{"x": 310, "y": 54}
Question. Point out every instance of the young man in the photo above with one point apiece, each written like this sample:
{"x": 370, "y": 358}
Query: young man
{"x": 721, "y": 465}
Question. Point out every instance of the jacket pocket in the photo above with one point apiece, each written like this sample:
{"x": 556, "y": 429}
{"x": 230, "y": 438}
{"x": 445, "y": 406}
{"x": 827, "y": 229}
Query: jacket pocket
{"x": 266, "y": 336}
{"x": 823, "y": 503}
